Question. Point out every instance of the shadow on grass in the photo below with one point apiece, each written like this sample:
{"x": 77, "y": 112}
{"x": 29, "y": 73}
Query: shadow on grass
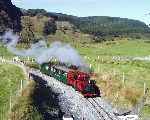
{"x": 37, "y": 102}
{"x": 46, "y": 101}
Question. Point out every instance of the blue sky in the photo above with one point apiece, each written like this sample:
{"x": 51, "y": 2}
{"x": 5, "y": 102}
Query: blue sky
{"x": 134, "y": 9}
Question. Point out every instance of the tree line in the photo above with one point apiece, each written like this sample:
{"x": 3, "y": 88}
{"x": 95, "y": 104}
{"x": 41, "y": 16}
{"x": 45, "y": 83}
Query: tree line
{"x": 100, "y": 27}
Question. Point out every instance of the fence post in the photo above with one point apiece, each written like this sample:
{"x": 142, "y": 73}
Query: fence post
{"x": 98, "y": 68}
{"x": 21, "y": 86}
{"x": 10, "y": 101}
{"x": 102, "y": 60}
{"x": 114, "y": 72}
{"x": 144, "y": 88}
{"x": 123, "y": 79}
{"x": 10, "y": 104}
{"x": 90, "y": 66}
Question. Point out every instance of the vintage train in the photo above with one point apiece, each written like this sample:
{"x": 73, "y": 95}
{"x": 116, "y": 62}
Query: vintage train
{"x": 72, "y": 76}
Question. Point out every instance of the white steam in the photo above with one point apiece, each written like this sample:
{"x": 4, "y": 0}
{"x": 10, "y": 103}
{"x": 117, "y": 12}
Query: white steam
{"x": 62, "y": 52}
{"x": 10, "y": 39}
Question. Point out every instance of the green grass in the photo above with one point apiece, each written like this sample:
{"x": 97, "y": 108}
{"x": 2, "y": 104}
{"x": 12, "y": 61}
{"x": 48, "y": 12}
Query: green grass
{"x": 10, "y": 80}
{"x": 10, "y": 77}
{"x": 114, "y": 48}
{"x": 4, "y": 52}
{"x": 30, "y": 106}
{"x": 135, "y": 73}
{"x": 145, "y": 113}
{"x": 24, "y": 109}
{"x": 69, "y": 37}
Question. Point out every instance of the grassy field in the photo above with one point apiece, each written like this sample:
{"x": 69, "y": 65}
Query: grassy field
{"x": 9, "y": 85}
{"x": 121, "y": 82}
{"x": 119, "y": 78}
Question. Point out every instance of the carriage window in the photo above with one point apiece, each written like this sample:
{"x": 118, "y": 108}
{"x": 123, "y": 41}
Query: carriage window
{"x": 62, "y": 72}
{"x": 83, "y": 77}
{"x": 59, "y": 72}
{"x": 65, "y": 73}
{"x": 56, "y": 70}
{"x": 46, "y": 67}
{"x": 51, "y": 68}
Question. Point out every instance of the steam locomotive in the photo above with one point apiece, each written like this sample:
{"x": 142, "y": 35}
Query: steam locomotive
{"x": 72, "y": 76}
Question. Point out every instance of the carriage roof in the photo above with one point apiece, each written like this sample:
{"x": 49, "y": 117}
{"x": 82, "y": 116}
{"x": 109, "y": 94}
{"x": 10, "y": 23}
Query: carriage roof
{"x": 64, "y": 69}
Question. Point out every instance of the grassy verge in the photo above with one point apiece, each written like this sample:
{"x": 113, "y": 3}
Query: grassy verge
{"x": 145, "y": 113}
{"x": 9, "y": 85}
{"x": 36, "y": 103}
{"x": 24, "y": 108}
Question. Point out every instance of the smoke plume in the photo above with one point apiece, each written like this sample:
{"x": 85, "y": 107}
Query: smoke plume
{"x": 62, "y": 52}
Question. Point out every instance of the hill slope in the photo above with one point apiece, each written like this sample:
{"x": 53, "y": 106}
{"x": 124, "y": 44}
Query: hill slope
{"x": 99, "y": 26}
{"x": 102, "y": 26}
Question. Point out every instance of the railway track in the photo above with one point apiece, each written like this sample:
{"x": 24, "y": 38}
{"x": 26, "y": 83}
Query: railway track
{"x": 103, "y": 114}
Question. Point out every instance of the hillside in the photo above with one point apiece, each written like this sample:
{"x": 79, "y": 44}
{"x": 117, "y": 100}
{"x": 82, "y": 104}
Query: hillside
{"x": 106, "y": 24}
{"x": 10, "y": 16}
{"x": 102, "y": 27}
{"x": 105, "y": 28}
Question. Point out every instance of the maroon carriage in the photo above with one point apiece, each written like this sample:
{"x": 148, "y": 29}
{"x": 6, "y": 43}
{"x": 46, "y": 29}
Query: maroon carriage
{"x": 82, "y": 83}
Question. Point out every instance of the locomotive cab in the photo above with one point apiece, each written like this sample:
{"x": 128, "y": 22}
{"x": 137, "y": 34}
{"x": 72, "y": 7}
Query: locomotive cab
{"x": 92, "y": 82}
{"x": 91, "y": 89}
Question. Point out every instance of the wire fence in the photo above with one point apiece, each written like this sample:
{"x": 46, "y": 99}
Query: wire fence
{"x": 6, "y": 108}
{"x": 3, "y": 113}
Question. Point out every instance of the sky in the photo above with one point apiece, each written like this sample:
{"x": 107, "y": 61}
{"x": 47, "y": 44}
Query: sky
{"x": 133, "y": 9}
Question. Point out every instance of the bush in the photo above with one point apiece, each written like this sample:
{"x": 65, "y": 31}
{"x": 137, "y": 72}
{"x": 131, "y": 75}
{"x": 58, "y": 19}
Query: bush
{"x": 27, "y": 34}
{"x": 49, "y": 27}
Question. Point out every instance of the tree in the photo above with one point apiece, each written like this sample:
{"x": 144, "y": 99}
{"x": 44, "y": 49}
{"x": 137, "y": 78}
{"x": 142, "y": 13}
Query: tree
{"x": 27, "y": 34}
{"x": 10, "y": 17}
{"x": 49, "y": 27}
